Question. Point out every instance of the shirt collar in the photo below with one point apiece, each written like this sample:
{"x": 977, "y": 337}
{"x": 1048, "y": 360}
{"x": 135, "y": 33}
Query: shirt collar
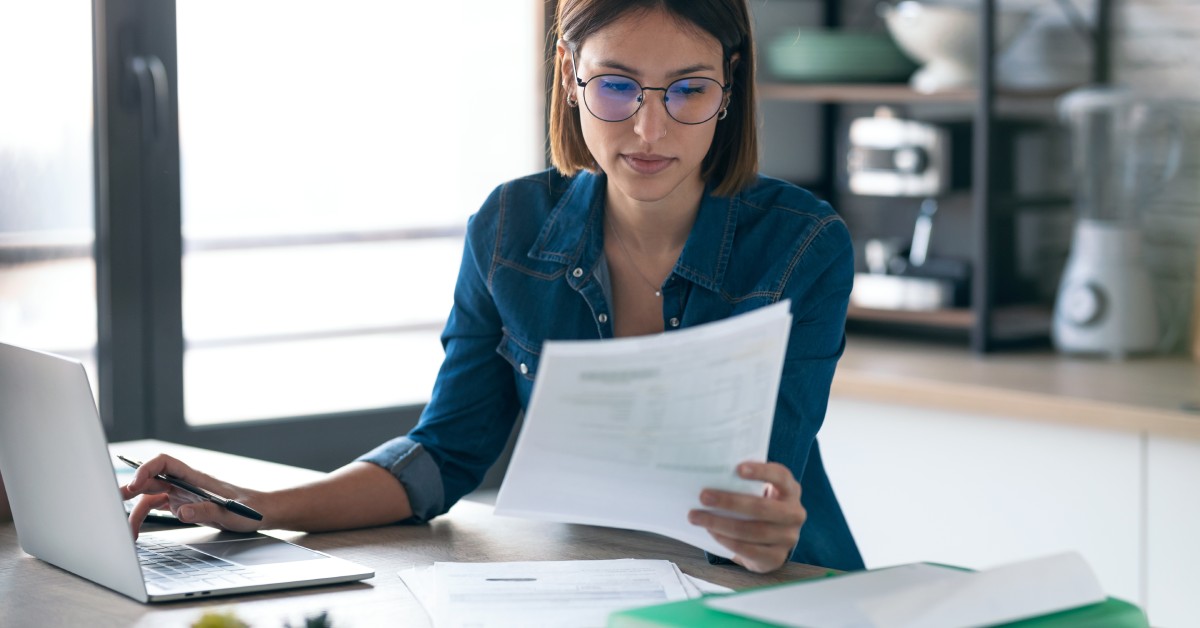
{"x": 573, "y": 233}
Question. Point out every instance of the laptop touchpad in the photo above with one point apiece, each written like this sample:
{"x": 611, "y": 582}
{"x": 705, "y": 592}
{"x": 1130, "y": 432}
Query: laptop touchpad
{"x": 256, "y": 551}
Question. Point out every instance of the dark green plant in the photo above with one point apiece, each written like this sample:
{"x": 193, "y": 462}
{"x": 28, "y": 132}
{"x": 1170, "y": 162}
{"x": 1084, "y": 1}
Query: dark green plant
{"x": 320, "y": 620}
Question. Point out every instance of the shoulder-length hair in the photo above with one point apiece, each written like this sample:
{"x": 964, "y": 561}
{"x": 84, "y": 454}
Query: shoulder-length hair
{"x": 732, "y": 159}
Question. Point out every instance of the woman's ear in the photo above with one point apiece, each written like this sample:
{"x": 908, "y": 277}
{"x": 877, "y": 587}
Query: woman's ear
{"x": 565, "y": 69}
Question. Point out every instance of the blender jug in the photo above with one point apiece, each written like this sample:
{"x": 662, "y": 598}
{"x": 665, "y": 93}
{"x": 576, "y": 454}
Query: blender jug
{"x": 1124, "y": 150}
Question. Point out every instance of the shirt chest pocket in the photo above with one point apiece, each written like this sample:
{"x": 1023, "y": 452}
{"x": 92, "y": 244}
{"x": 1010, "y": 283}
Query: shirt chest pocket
{"x": 518, "y": 353}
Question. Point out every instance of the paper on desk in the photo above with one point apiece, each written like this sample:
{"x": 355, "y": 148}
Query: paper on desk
{"x": 699, "y": 587}
{"x": 545, "y": 593}
{"x": 925, "y": 596}
{"x": 626, "y": 433}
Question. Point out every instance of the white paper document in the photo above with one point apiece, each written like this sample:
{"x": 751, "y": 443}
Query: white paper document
{"x": 925, "y": 596}
{"x": 626, "y": 432}
{"x": 559, "y": 594}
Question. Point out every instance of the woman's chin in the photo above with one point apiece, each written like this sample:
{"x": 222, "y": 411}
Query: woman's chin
{"x": 652, "y": 188}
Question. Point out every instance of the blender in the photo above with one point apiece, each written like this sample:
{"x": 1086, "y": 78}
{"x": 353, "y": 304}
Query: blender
{"x": 1125, "y": 148}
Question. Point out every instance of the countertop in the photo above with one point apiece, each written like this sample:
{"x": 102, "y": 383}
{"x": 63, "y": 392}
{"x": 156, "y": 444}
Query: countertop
{"x": 1155, "y": 394}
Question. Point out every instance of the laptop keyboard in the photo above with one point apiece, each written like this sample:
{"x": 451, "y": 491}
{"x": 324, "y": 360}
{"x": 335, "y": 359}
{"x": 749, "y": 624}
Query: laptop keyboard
{"x": 173, "y": 565}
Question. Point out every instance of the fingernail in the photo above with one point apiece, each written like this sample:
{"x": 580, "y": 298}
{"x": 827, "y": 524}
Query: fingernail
{"x": 186, "y": 512}
{"x": 693, "y": 518}
{"x": 744, "y": 469}
{"x": 708, "y": 499}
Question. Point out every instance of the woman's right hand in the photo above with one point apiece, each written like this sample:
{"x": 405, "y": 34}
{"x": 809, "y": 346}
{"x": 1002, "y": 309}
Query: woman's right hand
{"x": 188, "y": 508}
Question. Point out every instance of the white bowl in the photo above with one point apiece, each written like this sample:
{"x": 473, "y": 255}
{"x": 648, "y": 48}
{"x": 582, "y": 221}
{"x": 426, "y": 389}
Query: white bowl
{"x": 945, "y": 38}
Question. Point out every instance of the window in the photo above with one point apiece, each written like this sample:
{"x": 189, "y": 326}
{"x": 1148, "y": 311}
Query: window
{"x": 286, "y": 190}
{"x": 328, "y": 162}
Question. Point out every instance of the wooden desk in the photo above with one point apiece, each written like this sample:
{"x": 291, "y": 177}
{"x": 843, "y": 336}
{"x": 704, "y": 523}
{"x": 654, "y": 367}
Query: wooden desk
{"x": 33, "y": 593}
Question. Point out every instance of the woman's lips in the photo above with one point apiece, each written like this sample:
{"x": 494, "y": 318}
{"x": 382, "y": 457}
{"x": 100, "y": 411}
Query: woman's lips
{"x": 647, "y": 164}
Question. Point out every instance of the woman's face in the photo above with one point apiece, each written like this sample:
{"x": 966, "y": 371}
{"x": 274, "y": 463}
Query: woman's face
{"x": 649, "y": 157}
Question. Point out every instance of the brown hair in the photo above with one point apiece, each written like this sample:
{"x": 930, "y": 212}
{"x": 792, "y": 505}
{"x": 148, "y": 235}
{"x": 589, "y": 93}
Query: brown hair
{"x": 732, "y": 158}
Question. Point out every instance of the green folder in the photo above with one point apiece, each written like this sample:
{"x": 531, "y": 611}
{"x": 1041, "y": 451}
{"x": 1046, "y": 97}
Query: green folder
{"x": 1111, "y": 613}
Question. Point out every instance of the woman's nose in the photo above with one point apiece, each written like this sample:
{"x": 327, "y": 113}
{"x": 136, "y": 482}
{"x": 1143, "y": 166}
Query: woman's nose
{"x": 651, "y": 119}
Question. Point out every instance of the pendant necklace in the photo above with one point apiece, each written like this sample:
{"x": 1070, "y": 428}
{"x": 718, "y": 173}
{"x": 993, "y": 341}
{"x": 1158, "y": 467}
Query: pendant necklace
{"x": 621, "y": 243}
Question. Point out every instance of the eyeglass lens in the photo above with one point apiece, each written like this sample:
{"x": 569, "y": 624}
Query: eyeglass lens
{"x": 614, "y": 98}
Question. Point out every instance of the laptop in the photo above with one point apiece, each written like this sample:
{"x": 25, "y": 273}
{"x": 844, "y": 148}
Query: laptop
{"x": 53, "y": 448}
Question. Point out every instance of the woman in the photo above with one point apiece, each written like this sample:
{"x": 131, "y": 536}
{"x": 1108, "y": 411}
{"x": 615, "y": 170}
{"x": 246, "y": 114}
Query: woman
{"x": 653, "y": 219}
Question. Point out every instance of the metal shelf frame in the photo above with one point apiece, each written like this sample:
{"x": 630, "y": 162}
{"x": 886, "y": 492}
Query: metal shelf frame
{"x": 992, "y": 206}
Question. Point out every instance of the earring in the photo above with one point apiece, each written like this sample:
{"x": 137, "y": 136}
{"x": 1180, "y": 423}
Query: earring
{"x": 724, "y": 112}
{"x": 572, "y": 102}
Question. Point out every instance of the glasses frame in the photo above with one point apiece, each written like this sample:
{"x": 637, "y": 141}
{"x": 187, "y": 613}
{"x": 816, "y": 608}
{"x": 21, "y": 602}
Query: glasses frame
{"x": 641, "y": 98}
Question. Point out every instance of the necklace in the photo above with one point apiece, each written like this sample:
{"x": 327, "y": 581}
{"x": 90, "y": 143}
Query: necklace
{"x": 621, "y": 243}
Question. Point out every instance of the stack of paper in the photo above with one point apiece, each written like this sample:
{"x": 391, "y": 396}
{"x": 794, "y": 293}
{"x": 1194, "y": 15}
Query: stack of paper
{"x": 1053, "y": 592}
{"x": 926, "y": 596}
{"x": 626, "y": 433}
{"x": 560, "y": 594}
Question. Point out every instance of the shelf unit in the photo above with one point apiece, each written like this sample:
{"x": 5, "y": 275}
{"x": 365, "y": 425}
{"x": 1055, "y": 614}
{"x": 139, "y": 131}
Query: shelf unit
{"x": 989, "y": 325}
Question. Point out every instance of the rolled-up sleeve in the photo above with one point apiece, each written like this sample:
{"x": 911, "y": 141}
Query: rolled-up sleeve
{"x": 415, "y": 469}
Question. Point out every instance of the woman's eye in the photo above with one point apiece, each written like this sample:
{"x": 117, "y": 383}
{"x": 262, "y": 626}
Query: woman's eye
{"x": 617, "y": 86}
{"x": 688, "y": 90}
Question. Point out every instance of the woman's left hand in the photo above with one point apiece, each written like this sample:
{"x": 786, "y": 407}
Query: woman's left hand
{"x": 764, "y": 540}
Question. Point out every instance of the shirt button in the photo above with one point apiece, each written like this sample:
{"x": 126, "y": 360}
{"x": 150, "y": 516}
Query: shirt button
{"x": 577, "y": 273}
{"x": 603, "y": 318}
{"x": 524, "y": 369}
{"x": 674, "y": 322}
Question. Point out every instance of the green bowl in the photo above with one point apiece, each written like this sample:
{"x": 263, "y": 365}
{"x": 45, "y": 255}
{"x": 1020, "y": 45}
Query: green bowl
{"x": 817, "y": 55}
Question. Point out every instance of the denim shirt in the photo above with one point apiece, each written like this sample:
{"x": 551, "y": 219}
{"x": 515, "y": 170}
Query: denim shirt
{"x": 530, "y": 273}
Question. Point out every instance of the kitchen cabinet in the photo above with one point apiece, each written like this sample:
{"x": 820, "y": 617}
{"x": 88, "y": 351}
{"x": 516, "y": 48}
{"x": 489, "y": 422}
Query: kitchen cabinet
{"x": 969, "y": 489}
{"x": 1004, "y": 307}
{"x": 972, "y": 489}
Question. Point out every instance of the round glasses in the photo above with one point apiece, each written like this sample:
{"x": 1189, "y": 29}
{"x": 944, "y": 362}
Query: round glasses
{"x": 614, "y": 97}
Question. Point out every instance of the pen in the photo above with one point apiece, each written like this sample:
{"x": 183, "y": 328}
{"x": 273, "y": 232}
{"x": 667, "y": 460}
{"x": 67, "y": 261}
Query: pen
{"x": 235, "y": 507}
